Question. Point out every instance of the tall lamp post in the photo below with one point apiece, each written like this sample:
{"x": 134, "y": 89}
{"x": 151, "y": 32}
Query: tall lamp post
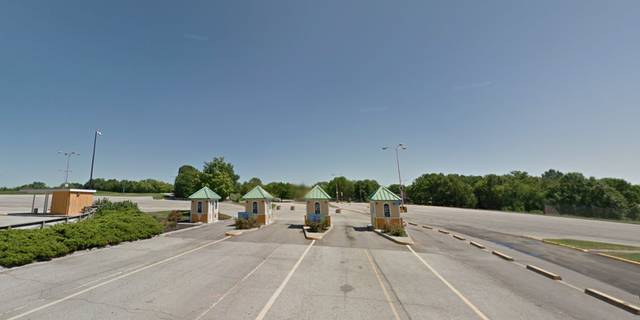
{"x": 66, "y": 176}
{"x": 399, "y": 176}
{"x": 336, "y": 175}
{"x": 95, "y": 138}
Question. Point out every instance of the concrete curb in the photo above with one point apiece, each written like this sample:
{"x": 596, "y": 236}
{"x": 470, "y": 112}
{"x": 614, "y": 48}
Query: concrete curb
{"x": 233, "y": 233}
{"x": 502, "y": 255}
{"x": 564, "y": 245}
{"x": 475, "y": 244}
{"x": 428, "y": 227}
{"x": 532, "y": 238}
{"x": 315, "y": 235}
{"x": 401, "y": 240}
{"x": 618, "y": 258}
{"x": 616, "y": 302}
{"x": 355, "y": 211}
{"x": 413, "y": 224}
{"x": 459, "y": 237}
{"x": 544, "y": 272}
{"x": 443, "y": 231}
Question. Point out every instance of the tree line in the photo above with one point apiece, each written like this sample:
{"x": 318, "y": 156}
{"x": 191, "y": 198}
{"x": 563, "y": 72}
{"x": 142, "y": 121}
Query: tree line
{"x": 520, "y": 192}
{"x": 100, "y": 184}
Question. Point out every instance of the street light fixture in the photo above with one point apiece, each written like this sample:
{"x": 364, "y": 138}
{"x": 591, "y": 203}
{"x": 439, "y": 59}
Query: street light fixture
{"x": 95, "y": 138}
{"x": 66, "y": 176}
{"x": 336, "y": 175}
{"x": 399, "y": 176}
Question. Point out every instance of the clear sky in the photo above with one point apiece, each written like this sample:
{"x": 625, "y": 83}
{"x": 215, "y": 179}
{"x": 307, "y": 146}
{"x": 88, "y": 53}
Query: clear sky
{"x": 294, "y": 91}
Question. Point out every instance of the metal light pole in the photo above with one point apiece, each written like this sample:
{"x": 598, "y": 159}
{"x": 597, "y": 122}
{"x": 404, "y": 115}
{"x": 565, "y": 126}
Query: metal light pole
{"x": 95, "y": 138}
{"x": 337, "y": 175}
{"x": 66, "y": 176}
{"x": 399, "y": 176}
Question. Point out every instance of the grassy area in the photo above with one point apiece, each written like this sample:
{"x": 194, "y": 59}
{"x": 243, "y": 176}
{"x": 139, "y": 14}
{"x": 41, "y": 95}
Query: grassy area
{"x": 12, "y": 192}
{"x": 118, "y": 194}
{"x": 579, "y": 217}
{"x": 628, "y": 256}
{"x": 593, "y": 245}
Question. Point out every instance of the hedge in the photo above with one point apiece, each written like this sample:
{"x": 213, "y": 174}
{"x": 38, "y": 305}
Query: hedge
{"x": 23, "y": 246}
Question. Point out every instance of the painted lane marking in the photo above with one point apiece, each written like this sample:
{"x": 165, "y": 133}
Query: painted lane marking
{"x": 473, "y": 307}
{"x": 114, "y": 279}
{"x": 275, "y": 295}
{"x": 393, "y": 308}
{"x": 237, "y": 284}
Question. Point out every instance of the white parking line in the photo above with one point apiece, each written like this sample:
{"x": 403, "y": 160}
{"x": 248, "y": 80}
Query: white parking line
{"x": 114, "y": 279}
{"x": 393, "y": 308}
{"x": 473, "y": 307}
{"x": 284, "y": 283}
{"x": 237, "y": 284}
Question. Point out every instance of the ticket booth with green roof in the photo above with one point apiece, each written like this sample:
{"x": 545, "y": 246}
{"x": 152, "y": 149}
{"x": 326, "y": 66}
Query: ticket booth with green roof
{"x": 258, "y": 206}
{"x": 204, "y": 206}
{"x": 385, "y": 208}
{"x": 317, "y": 206}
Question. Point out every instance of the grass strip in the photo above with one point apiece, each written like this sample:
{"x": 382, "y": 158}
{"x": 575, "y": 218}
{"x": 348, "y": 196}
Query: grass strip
{"x": 628, "y": 256}
{"x": 582, "y": 244}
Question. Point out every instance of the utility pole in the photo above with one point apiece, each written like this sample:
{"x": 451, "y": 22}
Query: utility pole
{"x": 95, "y": 138}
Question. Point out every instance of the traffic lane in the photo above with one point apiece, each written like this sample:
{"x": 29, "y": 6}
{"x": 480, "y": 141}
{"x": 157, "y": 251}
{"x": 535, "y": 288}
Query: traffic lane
{"x": 181, "y": 288}
{"x": 529, "y": 224}
{"x": 619, "y": 274}
{"x": 30, "y": 283}
{"x": 472, "y": 269}
{"x": 350, "y": 230}
{"x": 334, "y": 283}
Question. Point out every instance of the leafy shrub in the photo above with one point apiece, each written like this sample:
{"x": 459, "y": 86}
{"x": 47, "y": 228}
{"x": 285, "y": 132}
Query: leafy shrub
{"x": 106, "y": 204}
{"x": 174, "y": 216}
{"x": 19, "y": 247}
{"x": 396, "y": 231}
{"x": 246, "y": 223}
{"x": 318, "y": 226}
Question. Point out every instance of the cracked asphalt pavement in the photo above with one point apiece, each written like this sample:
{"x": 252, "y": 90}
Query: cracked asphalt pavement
{"x": 352, "y": 273}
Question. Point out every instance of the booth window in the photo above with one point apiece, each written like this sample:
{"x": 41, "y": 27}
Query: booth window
{"x": 317, "y": 207}
{"x": 255, "y": 207}
{"x": 387, "y": 210}
{"x": 199, "y": 206}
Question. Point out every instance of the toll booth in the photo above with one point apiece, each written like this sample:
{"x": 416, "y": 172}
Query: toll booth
{"x": 204, "y": 206}
{"x": 385, "y": 208}
{"x": 258, "y": 206}
{"x": 317, "y": 206}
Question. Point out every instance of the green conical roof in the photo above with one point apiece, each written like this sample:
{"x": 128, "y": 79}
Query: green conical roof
{"x": 317, "y": 193}
{"x": 383, "y": 194}
{"x": 205, "y": 193}
{"x": 257, "y": 193}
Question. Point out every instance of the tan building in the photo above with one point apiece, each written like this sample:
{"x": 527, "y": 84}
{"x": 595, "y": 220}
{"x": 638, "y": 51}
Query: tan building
{"x": 204, "y": 206}
{"x": 317, "y": 206}
{"x": 258, "y": 206}
{"x": 63, "y": 201}
{"x": 385, "y": 208}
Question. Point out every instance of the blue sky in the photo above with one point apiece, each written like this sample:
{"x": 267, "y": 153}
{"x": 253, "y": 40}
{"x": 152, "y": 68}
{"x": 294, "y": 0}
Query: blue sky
{"x": 297, "y": 90}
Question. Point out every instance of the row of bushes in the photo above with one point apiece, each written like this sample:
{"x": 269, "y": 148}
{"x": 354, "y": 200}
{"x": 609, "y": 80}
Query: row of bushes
{"x": 105, "y": 204}
{"x": 247, "y": 223}
{"x": 320, "y": 226}
{"x": 110, "y": 227}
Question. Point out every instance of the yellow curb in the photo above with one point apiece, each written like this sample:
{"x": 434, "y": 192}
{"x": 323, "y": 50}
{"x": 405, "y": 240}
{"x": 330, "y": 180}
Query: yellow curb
{"x": 427, "y": 227}
{"x": 502, "y": 255}
{"x": 233, "y": 233}
{"x": 459, "y": 237}
{"x": 442, "y": 231}
{"x": 532, "y": 238}
{"x": 413, "y": 223}
{"x": 564, "y": 245}
{"x": 3, "y": 213}
{"x": 616, "y": 302}
{"x": 544, "y": 272}
{"x": 475, "y": 244}
{"x": 618, "y": 258}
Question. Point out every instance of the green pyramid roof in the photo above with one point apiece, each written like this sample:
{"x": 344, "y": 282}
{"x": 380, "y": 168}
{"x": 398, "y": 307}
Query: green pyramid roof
{"x": 383, "y": 194}
{"x": 317, "y": 193}
{"x": 205, "y": 193}
{"x": 257, "y": 193}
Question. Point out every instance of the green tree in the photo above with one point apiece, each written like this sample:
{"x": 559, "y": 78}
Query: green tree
{"x": 218, "y": 181}
{"x": 219, "y": 165}
{"x": 186, "y": 182}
